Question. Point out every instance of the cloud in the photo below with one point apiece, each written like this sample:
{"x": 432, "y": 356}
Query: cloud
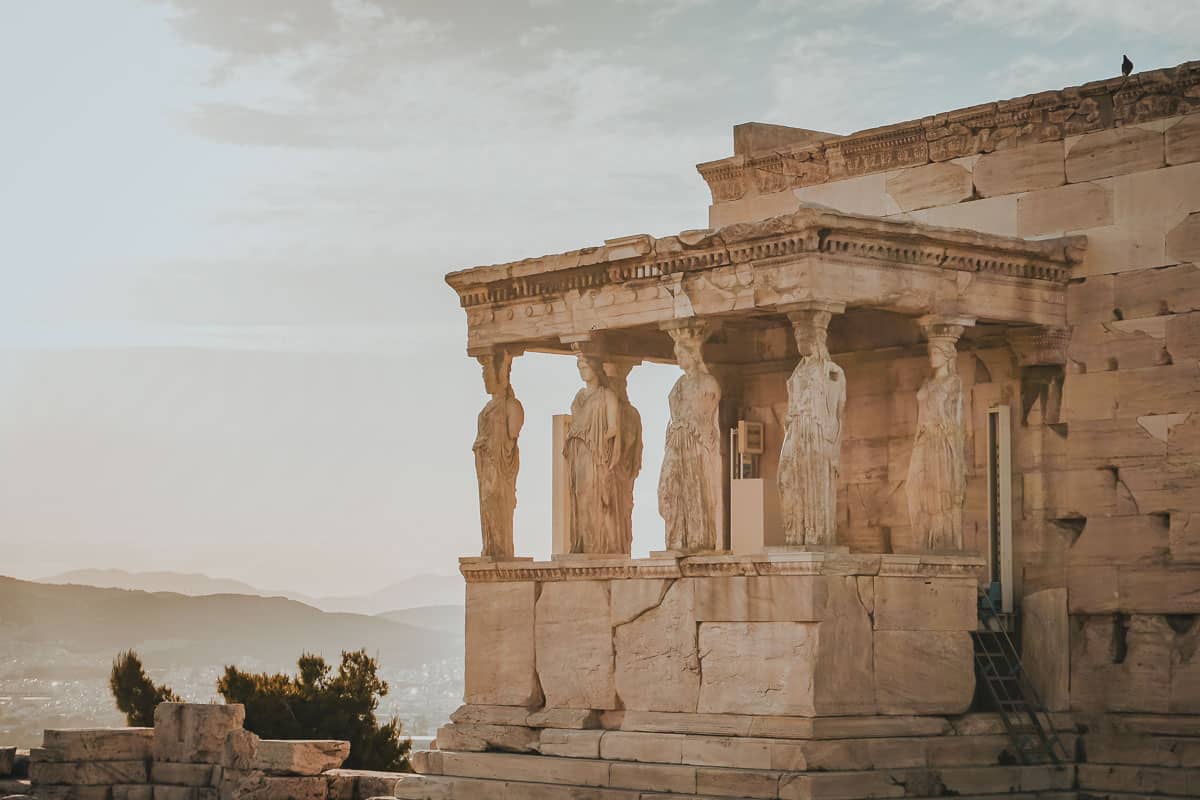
{"x": 1055, "y": 20}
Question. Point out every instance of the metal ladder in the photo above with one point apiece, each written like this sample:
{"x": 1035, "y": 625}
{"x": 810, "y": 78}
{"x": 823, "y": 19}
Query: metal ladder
{"x": 999, "y": 667}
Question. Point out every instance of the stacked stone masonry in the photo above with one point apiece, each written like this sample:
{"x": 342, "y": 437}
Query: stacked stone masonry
{"x": 194, "y": 752}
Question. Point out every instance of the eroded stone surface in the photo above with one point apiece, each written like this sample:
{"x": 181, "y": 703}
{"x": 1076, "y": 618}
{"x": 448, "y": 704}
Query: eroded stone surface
{"x": 500, "y": 645}
{"x": 575, "y": 645}
{"x": 1114, "y": 152}
{"x": 757, "y": 667}
{"x": 924, "y": 672}
{"x": 657, "y": 662}
{"x": 844, "y": 669}
{"x": 931, "y": 185}
{"x": 1045, "y": 646}
{"x": 97, "y": 744}
{"x": 194, "y": 732}
{"x": 1020, "y": 169}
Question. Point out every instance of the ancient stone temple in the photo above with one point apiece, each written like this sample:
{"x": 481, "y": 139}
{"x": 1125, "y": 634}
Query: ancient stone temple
{"x": 948, "y": 364}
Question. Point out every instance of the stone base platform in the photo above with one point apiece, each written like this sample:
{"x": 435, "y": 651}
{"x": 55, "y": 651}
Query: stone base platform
{"x": 627, "y": 756}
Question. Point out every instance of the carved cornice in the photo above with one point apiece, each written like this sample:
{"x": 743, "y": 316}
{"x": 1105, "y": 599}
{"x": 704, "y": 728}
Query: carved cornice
{"x": 809, "y": 231}
{"x": 724, "y": 566}
{"x": 1045, "y": 117}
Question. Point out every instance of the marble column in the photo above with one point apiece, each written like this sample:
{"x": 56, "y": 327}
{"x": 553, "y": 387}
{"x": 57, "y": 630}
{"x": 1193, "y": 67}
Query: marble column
{"x": 497, "y": 458}
{"x": 936, "y": 487}
{"x": 810, "y": 459}
{"x": 691, "y": 481}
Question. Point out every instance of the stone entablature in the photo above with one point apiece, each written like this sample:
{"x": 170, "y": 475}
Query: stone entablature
{"x": 759, "y": 267}
{"x": 1043, "y": 117}
{"x": 783, "y": 563}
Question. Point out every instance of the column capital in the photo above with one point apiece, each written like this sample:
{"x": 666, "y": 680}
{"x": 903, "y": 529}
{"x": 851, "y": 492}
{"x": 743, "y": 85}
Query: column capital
{"x": 485, "y": 350}
{"x": 1038, "y": 346}
{"x": 827, "y": 306}
{"x": 700, "y": 326}
{"x": 944, "y": 326}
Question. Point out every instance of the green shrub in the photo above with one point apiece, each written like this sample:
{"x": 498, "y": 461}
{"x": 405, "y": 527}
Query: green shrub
{"x": 319, "y": 703}
{"x": 135, "y": 693}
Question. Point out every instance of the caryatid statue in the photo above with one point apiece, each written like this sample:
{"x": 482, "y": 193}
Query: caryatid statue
{"x": 627, "y": 455}
{"x": 937, "y": 480}
{"x": 690, "y": 486}
{"x": 497, "y": 458}
{"x": 811, "y": 456}
{"x": 591, "y": 451}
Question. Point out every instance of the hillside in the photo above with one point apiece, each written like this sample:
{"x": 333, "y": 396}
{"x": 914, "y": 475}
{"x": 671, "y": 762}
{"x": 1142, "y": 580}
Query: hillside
{"x": 74, "y": 628}
{"x": 448, "y": 618}
{"x": 414, "y": 591}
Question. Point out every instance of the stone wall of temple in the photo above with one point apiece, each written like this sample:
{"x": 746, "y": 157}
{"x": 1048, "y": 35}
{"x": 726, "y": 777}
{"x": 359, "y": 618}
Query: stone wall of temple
{"x": 1107, "y": 486}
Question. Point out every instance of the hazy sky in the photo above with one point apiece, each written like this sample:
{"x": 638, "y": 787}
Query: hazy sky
{"x": 225, "y": 343}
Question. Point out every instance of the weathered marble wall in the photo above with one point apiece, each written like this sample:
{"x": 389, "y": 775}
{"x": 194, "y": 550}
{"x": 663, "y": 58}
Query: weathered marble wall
{"x": 840, "y": 636}
{"x": 1107, "y": 488}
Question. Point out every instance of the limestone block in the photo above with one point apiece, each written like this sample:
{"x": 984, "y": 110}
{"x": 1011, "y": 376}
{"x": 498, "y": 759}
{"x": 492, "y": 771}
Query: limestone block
{"x": 1092, "y": 300}
{"x": 757, "y": 667}
{"x": 256, "y": 786}
{"x": 1152, "y": 292}
{"x": 710, "y": 724}
{"x": 1064, "y": 208}
{"x": 427, "y": 762}
{"x": 1020, "y": 169}
{"x": 924, "y": 672}
{"x": 359, "y": 784}
{"x": 185, "y": 774}
{"x": 1117, "y": 151}
{"x": 843, "y": 679}
{"x": 1183, "y": 241}
{"x": 300, "y": 757}
{"x": 767, "y": 598}
{"x": 96, "y": 744}
{"x": 932, "y": 604}
{"x": 1111, "y": 443}
{"x": 1183, "y": 332}
{"x": 89, "y": 773}
{"x": 188, "y": 793}
{"x": 1138, "y": 781}
{"x": 632, "y": 598}
{"x": 570, "y": 743}
{"x": 657, "y": 662}
{"x": 478, "y": 738}
{"x": 1006, "y": 780}
{"x": 1125, "y": 748}
{"x": 133, "y": 792}
{"x": 1121, "y": 540}
{"x": 866, "y": 194}
{"x": 1162, "y": 590}
{"x": 471, "y": 714}
{"x": 930, "y": 185}
{"x": 720, "y": 751}
{"x": 574, "y": 645}
{"x": 1159, "y": 487}
{"x": 240, "y": 750}
{"x": 575, "y": 718}
{"x": 676, "y": 778}
{"x": 1185, "y": 537}
{"x": 8, "y": 761}
{"x": 736, "y": 783}
{"x": 661, "y": 748}
{"x": 511, "y": 767}
{"x": 996, "y": 215}
{"x": 50, "y": 792}
{"x": 1091, "y": 395}
{"x": 1045, "y": 646}
{"x": 194, "y": 732}
{"x": 1183, "y": 140}
{"x": 499, "y": 666}
{"x": 845, "y": 785}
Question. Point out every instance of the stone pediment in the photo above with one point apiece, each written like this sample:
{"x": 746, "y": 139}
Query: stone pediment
{"x": 759, "y": 268}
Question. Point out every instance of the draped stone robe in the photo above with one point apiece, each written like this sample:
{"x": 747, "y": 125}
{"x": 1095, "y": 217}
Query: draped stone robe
{"x": 936, "y": 487}
{"x": 591, "y": 455}
{"x": 690, "y": 483}
{"x": 810, "y": 459}
{"x": 626, "y": 467}
{"x": 497, "y": 461}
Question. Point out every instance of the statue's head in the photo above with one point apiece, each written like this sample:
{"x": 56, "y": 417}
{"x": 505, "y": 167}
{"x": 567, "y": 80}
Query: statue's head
{"x": 497, "y": 369}
{"x": 811, "y": 341}
{"x": 589, "y": 369}
{"x": 943, "y": 354}
{"x": 689, "y": 348}
{"x": 616, "y": 373}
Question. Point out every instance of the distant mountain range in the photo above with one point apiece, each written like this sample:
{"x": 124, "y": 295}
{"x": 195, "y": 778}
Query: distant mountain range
{"x": 448, "y": 619}
{"x": 412, "y": 592}
{"x": 75, "y": 627}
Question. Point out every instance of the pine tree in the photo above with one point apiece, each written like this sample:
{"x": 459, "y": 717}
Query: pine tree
{"x": 135, "y": 693}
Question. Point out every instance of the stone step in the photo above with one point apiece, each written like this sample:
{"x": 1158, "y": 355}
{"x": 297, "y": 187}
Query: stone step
{"x": 1172, "y": 782}
{"x": 689, "y": 779}
{"x": 732, "y": 751}
{"x": 1134, "y": 749}
{"x": 427, "y": 787}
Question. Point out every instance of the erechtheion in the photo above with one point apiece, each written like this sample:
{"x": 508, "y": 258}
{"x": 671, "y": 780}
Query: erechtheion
{"x": 940, "y": 381}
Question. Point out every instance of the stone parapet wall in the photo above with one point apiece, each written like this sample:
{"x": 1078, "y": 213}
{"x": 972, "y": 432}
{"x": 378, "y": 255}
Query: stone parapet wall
{"x": 193, "y": 752}
{"x": 1046, "y": 118}
{"x": 787, "y": 634}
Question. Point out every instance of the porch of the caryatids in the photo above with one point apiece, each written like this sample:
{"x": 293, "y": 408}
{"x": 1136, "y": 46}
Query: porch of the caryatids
{"x": 497, "y": 457}
{"x": 810, "y": 459}
{"x": 936, "y": 486}
{"x": 691, "y": 481}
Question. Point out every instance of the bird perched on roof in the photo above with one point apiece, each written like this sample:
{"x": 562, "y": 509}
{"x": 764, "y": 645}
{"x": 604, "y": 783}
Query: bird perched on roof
{"x": 1126, "y": 66}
